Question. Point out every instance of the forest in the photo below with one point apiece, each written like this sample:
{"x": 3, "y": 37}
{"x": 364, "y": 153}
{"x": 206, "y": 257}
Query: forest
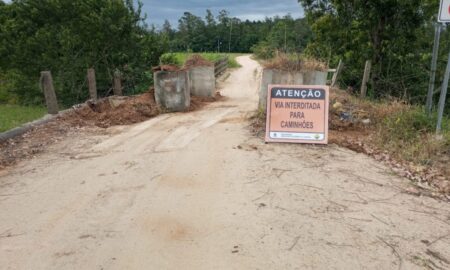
{"x": 68, "y": 37}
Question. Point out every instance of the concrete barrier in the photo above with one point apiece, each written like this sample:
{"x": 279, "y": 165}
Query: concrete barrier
{"x": 202, "y": 81}
{"x": 276, "y": 76}
{"x": 172, "y": 90}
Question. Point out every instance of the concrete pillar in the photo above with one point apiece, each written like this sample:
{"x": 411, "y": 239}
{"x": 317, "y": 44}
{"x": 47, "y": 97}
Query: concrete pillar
{"x": 202, "y": 81}
{"x": 117, "y": 86}
{"x": 172, "y": 90}
{"x": 46, "y": 83}
{"x": 92, "y": 83}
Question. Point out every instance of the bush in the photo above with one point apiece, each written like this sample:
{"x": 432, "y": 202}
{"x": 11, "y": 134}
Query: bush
{"x": 408, "y": 124}
{"x": 263, "y": 50}
{"x": 170, "y": 59}
{"x": 409, "y": 133}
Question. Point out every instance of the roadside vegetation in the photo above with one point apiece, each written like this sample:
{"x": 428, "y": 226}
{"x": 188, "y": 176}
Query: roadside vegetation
{"x": 12, "y": 116}
{"x": 179, "y": 59}
{"x": 397, "y": 37}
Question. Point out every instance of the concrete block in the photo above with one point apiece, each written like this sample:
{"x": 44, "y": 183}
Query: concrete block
{"x": 275, "y": 76}
{"x": 203, "y": 81}
{"x": 172, "y": 90}
{"x": 315, "y": 78}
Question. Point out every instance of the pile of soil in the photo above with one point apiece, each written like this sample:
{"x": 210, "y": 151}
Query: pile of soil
{"x": 114, "y": 111}
{"x": 166, "y": 68}
{"x": 289, "y": 63}
{"x": 196, "y": 60}
{"x": 90, "y": 118}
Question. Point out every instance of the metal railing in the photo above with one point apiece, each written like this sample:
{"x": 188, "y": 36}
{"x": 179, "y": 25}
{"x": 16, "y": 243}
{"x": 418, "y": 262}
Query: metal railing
{"x": 220, "y": 66}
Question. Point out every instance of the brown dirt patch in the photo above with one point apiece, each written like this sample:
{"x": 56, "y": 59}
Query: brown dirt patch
{"x": 115, "y": 111}
{"x": 39, "y": 139}
{"x": 166, "y": 68}
{"x": 295, "y": 63}
{"x": 196, "y": 60}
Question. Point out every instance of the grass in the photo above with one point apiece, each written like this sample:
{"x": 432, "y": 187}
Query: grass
{"x": 12, "y": 116}
{"x": 410, "y": 134}
{"x": 180, "y": 58}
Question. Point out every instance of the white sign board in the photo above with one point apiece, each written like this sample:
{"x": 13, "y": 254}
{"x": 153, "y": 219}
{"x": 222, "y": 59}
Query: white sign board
{"x": 444, "y": 11}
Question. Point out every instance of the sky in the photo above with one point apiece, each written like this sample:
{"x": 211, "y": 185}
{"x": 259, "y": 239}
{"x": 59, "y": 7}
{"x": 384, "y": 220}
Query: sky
{"x": 159, "y": 10}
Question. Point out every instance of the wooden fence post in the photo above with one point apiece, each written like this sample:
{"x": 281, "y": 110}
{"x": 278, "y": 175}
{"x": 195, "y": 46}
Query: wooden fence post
{"x": 117, "y": 87}
{"x": 46, "y": 82}
{"x": 337, "y": 73}
{"x": 366, "y": 78}
{"x": 92, "y": 83}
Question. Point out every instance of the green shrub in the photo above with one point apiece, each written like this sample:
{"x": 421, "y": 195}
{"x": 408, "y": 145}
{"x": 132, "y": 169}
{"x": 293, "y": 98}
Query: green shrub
{"x": 263, "y": 50}
{"x": 408, "y": 124}
{"x": 170, "y": 59}
{"x": 179, "y": 58}
{"x": 410, "y": 134}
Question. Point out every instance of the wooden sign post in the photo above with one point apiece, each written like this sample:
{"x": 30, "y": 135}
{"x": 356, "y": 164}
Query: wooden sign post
{"x": 297, "y": 114}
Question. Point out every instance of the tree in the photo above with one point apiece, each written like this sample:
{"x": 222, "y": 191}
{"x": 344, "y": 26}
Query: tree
{"x": 191, "y": 32}
{"x": 390, "y": 33}
{"x": 67, "y": 37}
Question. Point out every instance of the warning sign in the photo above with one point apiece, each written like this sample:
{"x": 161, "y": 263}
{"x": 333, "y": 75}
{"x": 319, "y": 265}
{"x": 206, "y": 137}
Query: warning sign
{"x": 444, "y": 11}
{"x": 297, "y": 114}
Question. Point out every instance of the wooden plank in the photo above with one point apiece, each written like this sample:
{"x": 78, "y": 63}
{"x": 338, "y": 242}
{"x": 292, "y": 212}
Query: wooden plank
{"x": 337, "y": 73}
{"x": 220, "y": 66}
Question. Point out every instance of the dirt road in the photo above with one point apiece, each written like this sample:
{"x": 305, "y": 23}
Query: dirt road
{"x": 198, "y": 191}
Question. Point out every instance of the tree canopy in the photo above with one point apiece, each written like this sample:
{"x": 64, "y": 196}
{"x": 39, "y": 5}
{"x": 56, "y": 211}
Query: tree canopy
{"x": 68, "y": 37}
{"x": 396, "y": 35}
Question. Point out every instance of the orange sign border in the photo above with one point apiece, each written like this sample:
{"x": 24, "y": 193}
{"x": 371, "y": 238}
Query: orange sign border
{"x": 327, "y": 109}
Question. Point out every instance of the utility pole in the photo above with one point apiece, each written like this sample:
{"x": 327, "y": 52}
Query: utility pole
{"x": 437, "y": 35}
{"x": 443, "y": 96}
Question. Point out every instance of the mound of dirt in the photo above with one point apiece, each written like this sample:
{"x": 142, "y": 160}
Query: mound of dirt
{"x": 289, "y": 63}
{"x": 196, "y": 60}
{"x": 90, "y": 118}
{"x": 166, "y": 68}
{"x": 114, "y": 111}
{"x": 86, "y": 118}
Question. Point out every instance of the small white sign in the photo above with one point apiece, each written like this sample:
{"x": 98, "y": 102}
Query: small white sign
{"x": 444, "y": 11}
